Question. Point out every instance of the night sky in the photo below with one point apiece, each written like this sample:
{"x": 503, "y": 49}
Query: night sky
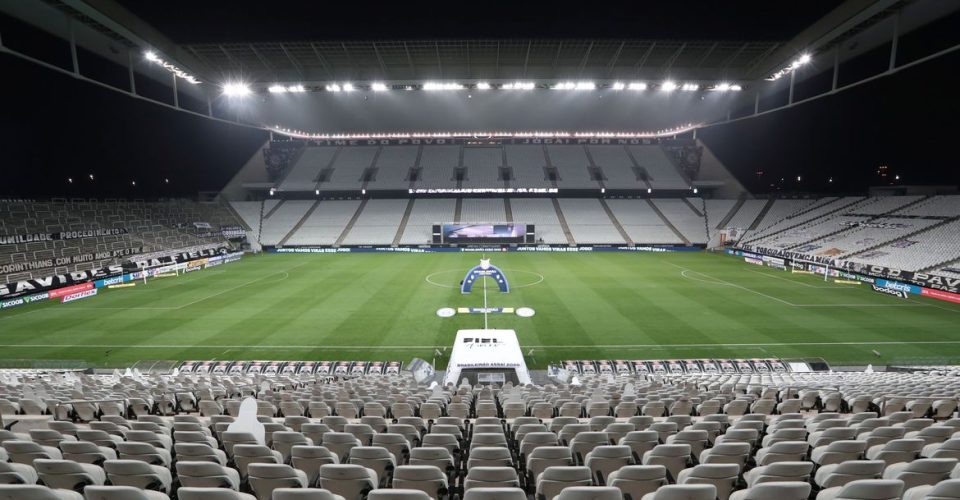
{"x": 53, "y": 127}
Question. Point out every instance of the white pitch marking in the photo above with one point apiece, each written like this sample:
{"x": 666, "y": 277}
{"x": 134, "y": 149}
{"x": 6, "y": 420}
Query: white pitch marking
{"x": 717, "y": 281}
{"x": 781, "y": 278}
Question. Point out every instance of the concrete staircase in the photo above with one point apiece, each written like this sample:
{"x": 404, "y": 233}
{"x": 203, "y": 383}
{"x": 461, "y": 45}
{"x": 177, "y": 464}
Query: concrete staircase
{"x": 299, "y": 223}
{"x": 403, "y": 223}
{"x": 616, "y": 223}
{"x": 667, "y": 222}
{"x": 353, "y": 220}
{"x": 563, "y": 222}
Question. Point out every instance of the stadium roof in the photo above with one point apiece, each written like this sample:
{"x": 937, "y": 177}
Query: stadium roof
{"x": 400, "y": 60}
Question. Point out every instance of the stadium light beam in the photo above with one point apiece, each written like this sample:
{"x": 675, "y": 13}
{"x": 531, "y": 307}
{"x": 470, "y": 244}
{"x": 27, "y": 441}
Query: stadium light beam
{"x": 483, "y": 86}
{"x": 668, "y": 86}
{"x": 637, "y": 86}
{"x": 155, "y": 58}
{"x": 690, "y": 87}
{"x": 236, "y": 89}
{"x": 618, "y": 86}
{"x": 442, "y": 86}
{"x": 348, "y": 87}
{"x": 519, "y": 86}
{"x": 378, "y": 87}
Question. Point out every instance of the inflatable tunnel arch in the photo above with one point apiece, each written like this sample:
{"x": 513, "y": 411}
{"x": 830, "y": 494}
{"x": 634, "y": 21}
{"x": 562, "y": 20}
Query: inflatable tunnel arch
{"x": 488, "y": 270}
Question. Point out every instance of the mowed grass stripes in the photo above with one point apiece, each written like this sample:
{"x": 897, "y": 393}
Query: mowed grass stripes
{"x": 383, "y": 307}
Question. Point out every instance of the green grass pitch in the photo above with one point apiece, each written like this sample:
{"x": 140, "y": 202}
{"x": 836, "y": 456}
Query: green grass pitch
{"x": 383, "y": 307}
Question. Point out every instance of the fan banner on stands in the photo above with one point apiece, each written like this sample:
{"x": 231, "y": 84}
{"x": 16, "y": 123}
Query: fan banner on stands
{"x": 927, "y": 280}
{"x": 58, "y": 281}
{"x": 66, "y": 261}
{"x": 64, "y": 235}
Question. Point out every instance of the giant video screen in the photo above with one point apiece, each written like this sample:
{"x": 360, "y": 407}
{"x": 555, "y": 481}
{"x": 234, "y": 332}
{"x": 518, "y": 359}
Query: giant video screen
{"x": 484, "y": 233}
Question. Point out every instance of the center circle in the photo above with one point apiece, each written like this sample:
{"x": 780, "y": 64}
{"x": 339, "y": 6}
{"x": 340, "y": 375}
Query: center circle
{"x": 536, "y": 278}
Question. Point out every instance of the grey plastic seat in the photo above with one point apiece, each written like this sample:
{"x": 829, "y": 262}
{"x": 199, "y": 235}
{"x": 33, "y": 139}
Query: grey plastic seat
{"x": 722, "y": 476}
{"x": 684, "y": 492}
{"x": 207, "y": 475}
{"x": 86, "y": 452}
{"x": 638, "y": 480}
{"x": 144, "y": 452}
{"x": 284, "y": 440}
{"x": 125, "y": 493}
{"x": 675, "y": 457}
{"x": 245, "y": 455}
{"x": 25, "y": 452}
{"x": 68, "y": 475}
{"x": 309, "y": 459}
{"x": 589, "y": 493}
{"x": 865, "y": 489}
{"x": 346, "y": 480}
{"x": 777, "y": 490}
{"x": 897, "y": 450}
{"x": 495, "y": 494}
{"x": 376, "y": 458}
{"x": 14, "y": 473}
{"x": 35, "y": 492}
{"x": 398, "y": 494}
{"x": 640, "y": 442}
{"x": 264, "y": 478}
{"x": 194, "y": 493}
{"x": 726, "y": 453}
{"x": 438, "y": 457}
{"x": 921, "y": 471}
{"x": 138, "y": 474}
{"x": 491, "y": 477}
{"x": 547, "y": 456}
{"x": 426, "y": 478}
{"x": 304, "y": 494}
{"x": 198, "y": 452}
{"x": 605, "y": 459}
{"x": 783, "y": 451}
{"x": 944, "y": 490}
{"x": 554, "y": 479}
{"x": 947, "y": 449}
{"x": 833, "y": 475}
{"x": 490, "y": 456}
{"x": 838, "y": 451}
{"x": 778, "y": 472}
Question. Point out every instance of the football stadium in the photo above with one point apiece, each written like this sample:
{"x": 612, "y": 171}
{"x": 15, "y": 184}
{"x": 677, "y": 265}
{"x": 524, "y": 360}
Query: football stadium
{"x": 682, "y": 250}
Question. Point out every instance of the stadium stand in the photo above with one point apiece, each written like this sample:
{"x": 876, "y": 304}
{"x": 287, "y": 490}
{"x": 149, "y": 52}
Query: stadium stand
{"x": 571, "y": 164}
{"x": 377, "y": 224}
{"x": 539, "y": 211}
{"x": 482, "y": 166}
{"x": 325, "y": 225}
{"x": 642, "y": 223}
{"x": 589, "y": 222}
{"x": 393, "y": 166}
{"x": 437, "y": 165}
{"x": 661, "y": 173}
{"x": 93, "y": 229}
{"x": 829, "y": 434}
{"x": 616, "y": 166}
{"x": 527, "y": 164}
{"x": 304, "y": 175}
{"x": 425, "y": 213}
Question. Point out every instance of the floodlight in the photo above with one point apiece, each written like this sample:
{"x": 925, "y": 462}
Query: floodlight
{"x": 442, "y": 86}
{"x": 151, "y": 56}
{"x": 804, "y": 59}
{"x": 736, "y": 88}
{"x": 618, "y": 86}
{"x": 276, "y": 89}
{"x": 585, "y": 86}
{"x": 722, "y": 87}
{"x": 694, "y": 190}
{"x": 296, "y": 88}
{"x": 316, "y": 192}
{"x": 637, "y": 86}
{"x": 603, "y": 190}
{"x": 690, "y": 87}
{"x": 483, "y": 86}
{"x": 649, "y": 191}
{"x": 272, "y": 191}
{"x": 668, "y": 86}
{"x": 378, "y": 87}
{"x": 348, "y": 87}
{"x": 519, "y": 86}
{"x": 333, "y": 87}
{"x": 236, "y": 89}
